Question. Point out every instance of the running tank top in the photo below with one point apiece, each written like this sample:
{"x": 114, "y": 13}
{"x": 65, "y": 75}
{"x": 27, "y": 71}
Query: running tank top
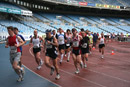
{"x": 61, "y": 38}
{"x": 68, "y": 37}
{"x": 91, "y": 38}
{"x": 36, "y": 42}
{"x": 76, "y": 42}
{"x": 102, "y": 40}
{"x": 85, "y": 42}
{"x": 12, "y": 40}
{"x": 49, "y": 47}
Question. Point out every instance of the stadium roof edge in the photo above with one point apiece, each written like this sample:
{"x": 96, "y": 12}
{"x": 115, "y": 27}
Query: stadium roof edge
{"x": 83, "y": 6}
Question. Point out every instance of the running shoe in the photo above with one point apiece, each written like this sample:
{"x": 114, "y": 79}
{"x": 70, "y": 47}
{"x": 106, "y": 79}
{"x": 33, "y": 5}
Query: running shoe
{"x": 81, "y": 64}
{"x": 68, "y": 60}
{"x": 20, "y": 78}
{"x": 85, "y": 66}
{"x": 22, "y": 73}
{"x": 77, "y": 71}
{"x": 39, "y": 67}
{"x": 41, "y": 62}
{"x": 57, "y": 76}
{"x": 52, "y": 70}
{"x": 102, "y": 56}
{"x": 60, "y": 63}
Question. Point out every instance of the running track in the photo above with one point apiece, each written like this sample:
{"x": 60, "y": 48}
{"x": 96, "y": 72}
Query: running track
{"x": 112, "y": 71}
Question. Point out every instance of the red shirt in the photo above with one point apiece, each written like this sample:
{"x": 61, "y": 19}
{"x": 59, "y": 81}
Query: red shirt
{"x": 76, "y": 42}
{"x": 12, "y": 40}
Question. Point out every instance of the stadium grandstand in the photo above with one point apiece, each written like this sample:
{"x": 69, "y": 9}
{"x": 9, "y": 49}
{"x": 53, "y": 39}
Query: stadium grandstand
{"x": 78, "y": 14}
{"x": 97, "y": 16}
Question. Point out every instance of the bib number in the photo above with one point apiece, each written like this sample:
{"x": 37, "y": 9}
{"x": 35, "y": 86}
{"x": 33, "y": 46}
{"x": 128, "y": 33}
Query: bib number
{"x": 84, "y": 45}
{"x": 67, "y": 44}
{"x": 49, "y": 46}
{"x": 76, "y": 44}
{"x": 13, "y": 49}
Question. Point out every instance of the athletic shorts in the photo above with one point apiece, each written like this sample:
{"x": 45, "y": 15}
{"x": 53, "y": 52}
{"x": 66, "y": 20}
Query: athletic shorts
{"x": 15, "y": 57}
{"x": 35, "y": 50}
{"x": 101, "y": 45}
{"x": 52, "y": 54}
{"x": 84, "y": 50}
{"x": 61, "y": 47}
{"x": 76, "y": 52}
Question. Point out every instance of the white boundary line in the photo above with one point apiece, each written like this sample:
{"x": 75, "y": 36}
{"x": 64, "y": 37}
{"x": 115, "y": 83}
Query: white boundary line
{"x": 38, "y": 74}
{"x": 73, "y": 74}
{"x": 103, "y": 74}
{"x": 83, "y": 78}
{"x": 41, "y": 76}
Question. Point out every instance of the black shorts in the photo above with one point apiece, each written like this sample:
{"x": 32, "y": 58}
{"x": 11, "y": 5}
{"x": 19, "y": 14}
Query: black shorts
{"x": 35, "y": 50}
{"x": 101, "y": 45}
{"x": 52, "y": 54}
{"x": 84, "y": 50}
{"x": 61, "y": 47}
{"x": 76, "y": 52}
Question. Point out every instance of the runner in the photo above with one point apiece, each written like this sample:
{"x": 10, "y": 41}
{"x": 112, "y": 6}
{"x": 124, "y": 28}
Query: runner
{"x": 16, "y": 33}
{"x": 36, "y": 40}
{"x": 61, "y": 41}
{"x": 102, "y": 45}
{"x": 15, "y": 54}
{"x": 54, "y": 33}
{"x": 68, "y": 44}
{"x": 84, "y": 48}
{"x": 50, "y": 45}
{"x": 76, "y": 50}
{"x": 91, "y": 42}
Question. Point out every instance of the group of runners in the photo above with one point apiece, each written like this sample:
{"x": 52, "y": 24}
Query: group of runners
{"x": 56, "y": 44}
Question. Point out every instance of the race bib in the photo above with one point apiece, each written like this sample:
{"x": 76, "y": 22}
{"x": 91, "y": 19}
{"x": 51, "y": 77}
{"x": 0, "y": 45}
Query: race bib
{"x": 13, "y": 49}
{"x": 49, "y": 46}
{"x": 75, "y": 43}
{"x": 84, "y": 45}
{"x": 61, "y": 39}
{"x": 67, "y": 44}
{"x": 101, "y": 41}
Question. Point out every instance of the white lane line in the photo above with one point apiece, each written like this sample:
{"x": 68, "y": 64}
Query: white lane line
{"x": 104, "y": 74}
{"x": 38, "y": 74}
{"x": 42, "y": 77}
{"x": 82, "y": 78}
{"x": 74, "y": 75}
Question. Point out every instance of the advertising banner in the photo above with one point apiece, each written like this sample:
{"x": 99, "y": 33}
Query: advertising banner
{"x": 15, "y": 11}
{"x": 108, "y": 6}
{"x": 83, "y": 3}
{"x": 91, "y": 4}
{"x": 24, "y": 12}
{"x": 3, "y": 9}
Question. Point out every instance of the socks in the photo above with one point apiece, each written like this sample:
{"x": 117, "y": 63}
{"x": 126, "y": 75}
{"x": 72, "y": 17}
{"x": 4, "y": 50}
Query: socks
{"x": 62, "y": 55}
{"x": 68, "y": 55}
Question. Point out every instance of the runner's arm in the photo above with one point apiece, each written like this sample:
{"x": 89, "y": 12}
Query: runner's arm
{"x": 21, "y": 42}
{"x": 30, "y": 42}
{"x": 55, "y": 42}
{"x": 41, "y": 39}
{"x": 44, "y": 46}
{"x": 6, "y": 44}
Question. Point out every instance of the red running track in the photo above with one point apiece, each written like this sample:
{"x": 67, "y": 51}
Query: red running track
{"x": 112, "y": 71}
